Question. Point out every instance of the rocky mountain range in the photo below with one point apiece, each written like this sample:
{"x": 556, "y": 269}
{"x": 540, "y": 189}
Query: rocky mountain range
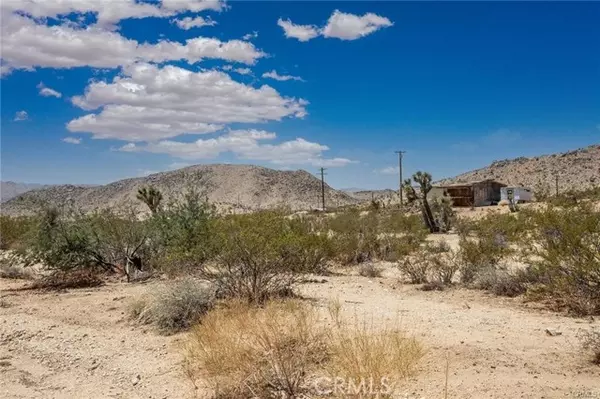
{"x": 229, "y": 187}
{"x": 576, "y": 170}
{"x": 11, "y": 189}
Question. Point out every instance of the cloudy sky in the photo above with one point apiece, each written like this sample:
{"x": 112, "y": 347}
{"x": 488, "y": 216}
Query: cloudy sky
{"x": 98, "y": 90}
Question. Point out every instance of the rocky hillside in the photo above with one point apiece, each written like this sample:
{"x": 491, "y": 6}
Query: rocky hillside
{"x": 242, "y": 187}
{"x": 576, "y": 170}
{"x": 10, "y": 189}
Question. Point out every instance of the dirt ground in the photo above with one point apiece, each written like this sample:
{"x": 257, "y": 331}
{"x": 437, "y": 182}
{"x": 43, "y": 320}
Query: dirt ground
{"x": 78, "y": 344}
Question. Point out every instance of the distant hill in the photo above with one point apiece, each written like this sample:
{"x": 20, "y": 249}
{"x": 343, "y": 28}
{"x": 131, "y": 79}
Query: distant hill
{"x": 576, "y": 170}
{"x": 243, "y": 187}
{"x": 10, "y": 189}
{"x": 368, "y": 195}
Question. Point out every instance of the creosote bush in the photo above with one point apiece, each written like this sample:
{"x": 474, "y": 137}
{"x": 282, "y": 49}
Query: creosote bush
{"x": 14, "y": 230}
{"x": 434, "y": 263}
{"x": 564, "y": 251}
{"x": 174, "y": 306}
{"x": 262, "y": 255}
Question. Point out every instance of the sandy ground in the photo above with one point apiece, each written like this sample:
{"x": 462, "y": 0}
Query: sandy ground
{"x": 79, "y": 344}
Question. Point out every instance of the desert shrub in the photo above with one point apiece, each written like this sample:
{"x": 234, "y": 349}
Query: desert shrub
{"x": 62, "y": 280}
{"x": 267, "y": 352}
{"x": 261, "y": 255}
{"x": 442, "y": 262}
{"x": 416, "y": 268}
{"x": 13, "y": 230}
{"x": 481, "y": 253}
{"x": 355, "y": 236}
{"x": 174, "y": 306}
{"x": 67, "y": 240}
{"x": 564, "y": 252}
{"x": 183, "y": 232}
{"x": 433, "y": 262}
{"x": 389, "y": 235}
{"x": 591, "y": 343}
{"x": 501, "y": 282}
{"x": 369, "y": 270}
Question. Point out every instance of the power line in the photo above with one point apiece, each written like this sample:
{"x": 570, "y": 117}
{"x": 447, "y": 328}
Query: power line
{"x": 400, "y": 173}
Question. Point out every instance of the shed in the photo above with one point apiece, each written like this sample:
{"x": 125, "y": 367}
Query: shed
{"x": 520, "y": 194}
{"x": 474, "y": 193}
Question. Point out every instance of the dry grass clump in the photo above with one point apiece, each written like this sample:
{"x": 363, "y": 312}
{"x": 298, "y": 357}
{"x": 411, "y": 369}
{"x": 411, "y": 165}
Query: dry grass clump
{"x": 175, "y": 306}
{"x": 376, "y": 358}
{"x": 245, "y": 351}
{"x": 282, "y": 349}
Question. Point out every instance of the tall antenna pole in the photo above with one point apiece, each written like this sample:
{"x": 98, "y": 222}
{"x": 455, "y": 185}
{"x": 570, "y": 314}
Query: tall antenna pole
{"x": 400, "y": 173}
{"x": 323, "y": 188}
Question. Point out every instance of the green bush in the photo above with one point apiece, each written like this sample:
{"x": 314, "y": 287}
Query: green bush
{"x": 14, "y": 230}
{"x": 564, "y": 252}
{"x": 183, "y": 233}
{"x": 261, "y": 255}
{"x": 477, "y": 254}
{"x": 67, "y": 240}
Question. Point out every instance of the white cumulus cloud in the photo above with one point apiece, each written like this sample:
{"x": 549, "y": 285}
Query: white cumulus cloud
{"x": 274, "y": 75}
{"x": 48, "y": 92}
{"x": 340, "y": 25}
{"x": 198, "y": 22}
{"x": 21, "y": 116}
{"x": 390, "y": 170}
{"x": 351, "y": 27}
{"x": 245, "y": 144}
{"x": 72, "y": 140}
{"x": 150, "y": 103}
{"x": 250, "y": 36}
{"x": 301, "y": 32}
{"x": 27, "y": 44}
{"x": 107, "y": 12}
{"x": 243, "y": 71}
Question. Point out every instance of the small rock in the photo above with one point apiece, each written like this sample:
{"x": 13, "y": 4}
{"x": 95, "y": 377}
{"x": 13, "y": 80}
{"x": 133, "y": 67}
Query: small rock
{"x": 136, "y": 380}
{"x": 552, "y": 332}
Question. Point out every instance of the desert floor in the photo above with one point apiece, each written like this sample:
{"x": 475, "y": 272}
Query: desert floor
{"x": 79, "y": 344}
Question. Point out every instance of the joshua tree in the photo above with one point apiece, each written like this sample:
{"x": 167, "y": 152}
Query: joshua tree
{"x": 150, "y": 196}
{"x": 423, "y": 179}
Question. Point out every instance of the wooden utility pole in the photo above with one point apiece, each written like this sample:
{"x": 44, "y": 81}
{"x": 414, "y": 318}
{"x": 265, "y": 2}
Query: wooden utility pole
{"x": 556, "y": 177}
{"x": 400, "y": 173}
{"x": 323, "y": 189}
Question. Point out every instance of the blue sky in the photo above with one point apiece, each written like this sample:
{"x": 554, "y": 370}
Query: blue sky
{"x": 456, "y": 85}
